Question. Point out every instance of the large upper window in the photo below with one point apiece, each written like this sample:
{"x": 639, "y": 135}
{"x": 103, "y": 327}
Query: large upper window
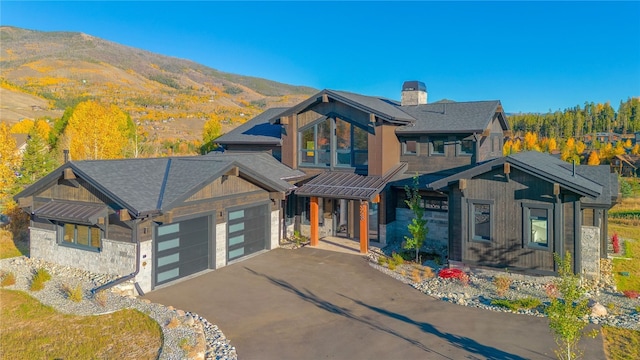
{"x": 80, "y": 235}
{"x": 480, "y": 220}
{"x": 333, "y": 142}
{"x": 537, "y": 225}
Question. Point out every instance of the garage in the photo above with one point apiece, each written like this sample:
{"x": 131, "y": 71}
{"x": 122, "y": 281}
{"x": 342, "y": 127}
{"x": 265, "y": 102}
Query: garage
{"x": 247, "y": 231}
{"x": 181, "y": 249}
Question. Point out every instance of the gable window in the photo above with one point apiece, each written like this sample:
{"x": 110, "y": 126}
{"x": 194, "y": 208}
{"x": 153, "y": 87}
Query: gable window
{"x": 82, "y": 236}
{"x": 436, "y": 145}
{"x": 537, "y": 226}
{"x": 409, "y": 147}
{"x": 466, "y": 147}
{"x": 480, "y": 220}
{"x": 333, "y": 142}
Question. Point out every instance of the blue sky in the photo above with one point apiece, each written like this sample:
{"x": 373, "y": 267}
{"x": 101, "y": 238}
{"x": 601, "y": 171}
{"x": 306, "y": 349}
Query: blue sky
{"x": 533, "y": 56}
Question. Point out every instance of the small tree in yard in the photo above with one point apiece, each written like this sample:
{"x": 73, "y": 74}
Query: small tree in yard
{"x": 418, "y": 226}
{"x": 566, "y": 311}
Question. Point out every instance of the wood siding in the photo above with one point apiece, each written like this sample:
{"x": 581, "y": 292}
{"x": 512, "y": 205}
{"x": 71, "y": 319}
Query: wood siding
{"x": 507, "y": 247}
{"x": 65, "y": 190}
{"x": 384, "y": 150}
{"x": 491, "y": 146}
{"x": 224, "y": 186}
{"x": 424, "y": 162}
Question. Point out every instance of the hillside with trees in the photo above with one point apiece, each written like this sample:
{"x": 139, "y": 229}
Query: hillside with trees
{"x": 42, "y": 74}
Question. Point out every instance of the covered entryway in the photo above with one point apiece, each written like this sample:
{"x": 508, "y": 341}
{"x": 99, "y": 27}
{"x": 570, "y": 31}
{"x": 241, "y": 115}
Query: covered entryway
{"x": 248, "y": 231}
{"x": 349, "y": 190}
{"x": 181, "y": 249}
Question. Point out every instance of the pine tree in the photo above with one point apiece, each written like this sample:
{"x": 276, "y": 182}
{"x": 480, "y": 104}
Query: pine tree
{"x": 37, "y": 160}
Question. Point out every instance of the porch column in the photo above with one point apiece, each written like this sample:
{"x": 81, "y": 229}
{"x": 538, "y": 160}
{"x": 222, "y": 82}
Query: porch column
{"x": 364, "y": 226}
{"x": 314, "y": 220}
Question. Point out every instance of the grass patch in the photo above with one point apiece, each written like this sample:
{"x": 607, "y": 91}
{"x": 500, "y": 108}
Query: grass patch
{"x": 10, "y": 248}
{"x": 524, "y": 303}
{"x": 31, "y": 330}
{"x": 631, "y": 282}
{"x": 621, "y": 344}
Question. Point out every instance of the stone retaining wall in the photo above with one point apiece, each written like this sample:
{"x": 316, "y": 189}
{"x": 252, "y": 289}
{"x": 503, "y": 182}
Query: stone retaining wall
{"x": 590, "y": 255}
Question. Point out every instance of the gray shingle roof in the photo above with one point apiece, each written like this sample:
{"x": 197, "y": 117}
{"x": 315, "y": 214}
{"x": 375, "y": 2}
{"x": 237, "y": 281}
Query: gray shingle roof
{"x": 378, "y": 105}
{"x": 538, "y": 164}
{"x": 601, "y": 175}
{"x": 443, "y": 117}
{"x": 152, "y": 185}
{"x": 255, "y": 131}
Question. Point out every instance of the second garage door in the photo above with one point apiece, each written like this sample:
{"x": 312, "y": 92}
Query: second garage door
{"x": 248, "y": 231}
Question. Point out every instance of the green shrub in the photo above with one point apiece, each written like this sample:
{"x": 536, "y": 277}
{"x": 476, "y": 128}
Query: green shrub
{"x": 524, "y": 303}
{"x": 397, "y": 258}
{"x": 8, "y": 279}
{"x": 382, "y": 260}
{"x": 39, "y": 278}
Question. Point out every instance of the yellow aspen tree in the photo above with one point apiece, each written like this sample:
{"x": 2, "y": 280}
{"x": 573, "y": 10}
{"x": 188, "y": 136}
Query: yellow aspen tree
{"x": 619, "y": 149}
{"x": 22, "y": 127}
{"x": 594, "y": 159}
{"x": 636, "y": 149}
{"x": 580, "y": 147}
{"x": 98, "y": 132}
{"x": 553, "y": 145}
{"x": 531, "y": 141}
{"x": 516, "y": 147}
{"x": 506, "y": 148}
{"x": 43, "y": 128}
{"x": 628, "y": 144}
{"x": 212, "y": 129}
{"x": 9, "y": 160}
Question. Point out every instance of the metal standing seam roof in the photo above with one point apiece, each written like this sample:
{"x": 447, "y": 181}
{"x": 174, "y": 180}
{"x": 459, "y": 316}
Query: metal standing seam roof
{"x": 255, "y": 131}
{"x": 70, "y": 211}
{"x": 343, "y": 185}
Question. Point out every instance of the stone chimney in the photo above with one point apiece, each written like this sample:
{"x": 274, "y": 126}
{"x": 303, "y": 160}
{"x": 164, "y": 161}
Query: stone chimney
{"x": 413, "y": 93}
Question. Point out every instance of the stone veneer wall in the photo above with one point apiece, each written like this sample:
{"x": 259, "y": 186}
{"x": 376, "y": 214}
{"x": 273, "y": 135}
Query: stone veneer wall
{"x": 221, "y": 245}
{"x": 144, "y": 277}
{"x": 115, "y": 257}
{"x": 437, "y": 222}
{"x": 590, "y": 252}
{"x": 275, "y": 229}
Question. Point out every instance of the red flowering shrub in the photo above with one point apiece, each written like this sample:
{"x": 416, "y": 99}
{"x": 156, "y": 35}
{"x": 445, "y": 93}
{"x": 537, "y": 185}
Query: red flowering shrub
{"x": 631, "y": 294}
{"x": 450, "y": 273}
{"x": 616, "y": 243}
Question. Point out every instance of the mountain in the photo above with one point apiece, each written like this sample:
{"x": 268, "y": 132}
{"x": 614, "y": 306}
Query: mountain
{"x": 42, "y": 73}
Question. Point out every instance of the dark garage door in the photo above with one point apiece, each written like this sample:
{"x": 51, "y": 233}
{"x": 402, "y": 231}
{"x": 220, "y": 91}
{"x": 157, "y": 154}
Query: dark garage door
{"x": 181, "y": 249}
{"x": 247, "y": 231}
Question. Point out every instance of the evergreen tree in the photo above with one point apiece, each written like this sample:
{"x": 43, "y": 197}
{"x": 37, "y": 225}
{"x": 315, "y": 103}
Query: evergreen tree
{"x": 37, "y": 160}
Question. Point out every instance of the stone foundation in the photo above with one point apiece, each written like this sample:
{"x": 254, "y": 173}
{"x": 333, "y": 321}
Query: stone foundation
{"x": 115, "y": 257}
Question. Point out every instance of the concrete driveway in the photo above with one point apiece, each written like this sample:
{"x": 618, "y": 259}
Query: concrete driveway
{"x": 317, "y": 304}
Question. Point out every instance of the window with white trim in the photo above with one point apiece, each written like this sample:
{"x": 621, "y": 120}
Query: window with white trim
{"x": 538, "y": 227}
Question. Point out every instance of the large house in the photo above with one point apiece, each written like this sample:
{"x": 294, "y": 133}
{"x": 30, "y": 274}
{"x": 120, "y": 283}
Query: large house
{"x": 360, "y": 152}
{"x": 336, "y": 164}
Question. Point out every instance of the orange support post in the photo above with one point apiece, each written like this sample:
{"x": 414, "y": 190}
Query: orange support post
{"x": 314, "y": 221}
{"x": 364, "y": 227}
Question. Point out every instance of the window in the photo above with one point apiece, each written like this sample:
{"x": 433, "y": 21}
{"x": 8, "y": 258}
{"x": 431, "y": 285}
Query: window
{"x": 437, "y": 145}
{"x": 466, "y": 147}
{"x": 333, "y": 142}
{"x": 481, "y": 220}
{"x": 409, "y": 147}
{"x": 537, "y": 227}
{"x": 81, "y": 235}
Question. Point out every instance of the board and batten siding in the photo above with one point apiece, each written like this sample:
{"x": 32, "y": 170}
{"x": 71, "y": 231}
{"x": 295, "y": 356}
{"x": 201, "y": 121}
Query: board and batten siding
{"x": 507, "y": 247}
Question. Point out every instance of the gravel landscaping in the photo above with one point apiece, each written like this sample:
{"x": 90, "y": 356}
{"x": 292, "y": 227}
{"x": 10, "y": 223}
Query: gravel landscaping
{"x": 205, "y": 339}
{"x": 480, "y": 290}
